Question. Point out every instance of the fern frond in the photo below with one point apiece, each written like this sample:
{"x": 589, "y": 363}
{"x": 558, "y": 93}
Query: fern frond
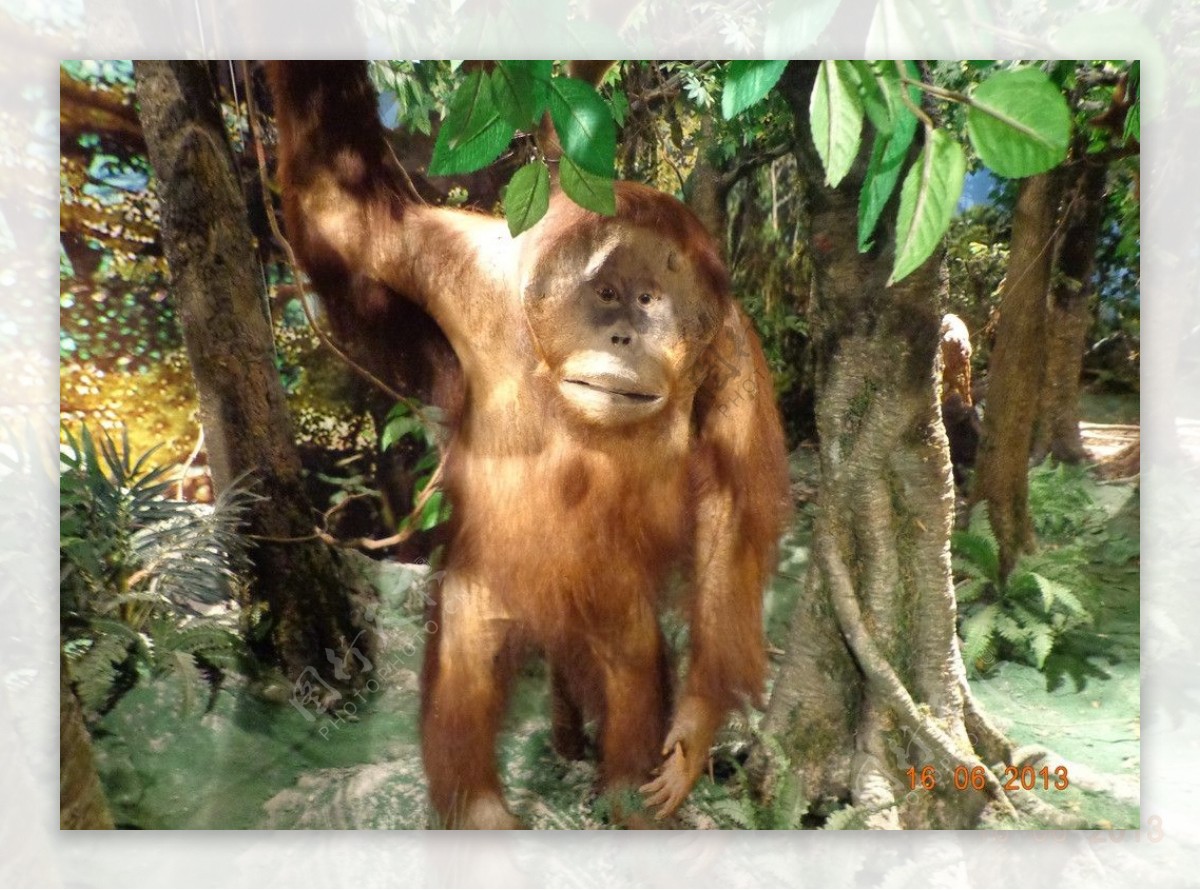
{"x": 191, "y": 679}
{"x": 95, "y": 673}
{"x": 846, "y": 819}
{"x": 1054, "y": 592}
{"x": 1041, "y": 643}
{"x": 978, "y": 554}
{"x": 977, "y": 633}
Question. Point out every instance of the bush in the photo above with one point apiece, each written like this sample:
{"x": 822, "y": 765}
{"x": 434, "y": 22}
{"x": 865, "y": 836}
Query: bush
{"x": 140, "y": 573}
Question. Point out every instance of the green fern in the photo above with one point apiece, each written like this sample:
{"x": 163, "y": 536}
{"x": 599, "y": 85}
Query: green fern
{"x": 738, "y": 804}
{"x": 139, "y": 571}
{"x": 1061, "y": 502}
{"x": 978, "y": 631}
{"x": 1037, "y": 617}
{"x": 846, "y": 819}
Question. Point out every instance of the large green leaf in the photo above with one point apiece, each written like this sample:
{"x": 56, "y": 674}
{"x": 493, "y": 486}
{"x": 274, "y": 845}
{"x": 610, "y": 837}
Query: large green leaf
{"x": 592, "y": 192}
{"x": 835, "y": 112}
{"x": 514, "y": 92}
{"x": 927, "y": 199}
{"x": 474, "y": 132}
{"x": 585, "y": 125}
{"x": 746, "y": 82}
{"x": 883, "y": 172}
{"x": 879, "y": 85}
{"x": 527, "y": 197}
{"x": 1019, "y": 123}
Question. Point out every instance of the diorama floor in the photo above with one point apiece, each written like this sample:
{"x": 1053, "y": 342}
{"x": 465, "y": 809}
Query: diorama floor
{"x": 260, "y": 758}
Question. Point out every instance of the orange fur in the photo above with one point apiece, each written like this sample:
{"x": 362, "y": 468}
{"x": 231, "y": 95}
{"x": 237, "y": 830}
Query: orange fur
{"x": 567, "y": 526}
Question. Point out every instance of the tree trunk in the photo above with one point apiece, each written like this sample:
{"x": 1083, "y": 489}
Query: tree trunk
{"x": 81, "y": 803}
{"x": 222, "y": 307}
{"x": 1070, "y": 317}
{"x": 706, "y": 190}
{"x": 1016, "y": 366}
{"x": 873, "y": 683}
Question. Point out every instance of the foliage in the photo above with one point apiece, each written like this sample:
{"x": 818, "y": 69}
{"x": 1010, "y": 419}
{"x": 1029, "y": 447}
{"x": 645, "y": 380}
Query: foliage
{"x": 111, "y": 270}
{"x": 737, "y": 803}
{"x": 1118, "y": 256}
{"x": 474, "y": 132}
{"x": 927, "y": 199}
{"x": 1017, "y": 122}
{"x": 748, "y": 82}
{"x": 489, "y": 108}
{"x": 140, "y": 573}
{"x": 410, "y": 93}
{"x": 883, "y": 170}
{"x": 527, "y": 197}
{"x": 977, "y": 245}
{"x": 422, "y": 425}
{"x": 1043, "y": 615}
{"x": 1018, "y": 101}
{"x": 1062, "y": 507}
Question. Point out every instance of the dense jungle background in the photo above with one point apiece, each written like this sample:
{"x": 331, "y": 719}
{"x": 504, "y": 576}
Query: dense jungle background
{"x": 180, "y": 711}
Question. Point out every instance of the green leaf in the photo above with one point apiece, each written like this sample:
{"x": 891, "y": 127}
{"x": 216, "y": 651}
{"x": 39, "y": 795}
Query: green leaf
{"x": 927, "y": 199}
{"x": 1055, "y": 592}
{"x": 1133, "y": 120}
{"x": 979, "y": 551}
{"x": 588, "y": 191}
{"x": 880, "y": 93}
{"x": 431, "y": 512}
{"x": 883, "y": 172}
{"x": 539, "y": 72}
{"x": 1014, "y": 631}
{"x": 527, "y": 197}
{"x": 1133, "y": 123}
{"x": 584, "y": 123}
{"x": 746, "y": 82}
{"x": 620, "y": 107}
{"x": 835, "y": 112}
{"x": 970, "y": 591}
{"x": 474, "y": 132}
{"x": 513, "y": 89}
{"x": 1019, "y": 123}
{"x": 397, "y": 428}
{"x": 977, "y": 632}
{"x": 1041, "y": 644}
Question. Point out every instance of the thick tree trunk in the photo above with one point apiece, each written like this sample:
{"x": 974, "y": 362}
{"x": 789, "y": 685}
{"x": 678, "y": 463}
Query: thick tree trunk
{"x": 1070, "y": 316}
{"x": 81, "y": 803}
{"x": 1015, "y": 373}
{"x": 873, "y": 682}
{"x": 222, "y": 306}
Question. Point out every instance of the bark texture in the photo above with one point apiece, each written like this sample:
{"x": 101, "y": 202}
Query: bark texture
{"x": 81, "y": 803}
{"x": 873, "y": 682}
{"x": 1015, "y": 376}
{"x": 1070, "y": 314}
{"x": 218, "y": 283}
{"x": 707, "y": 189}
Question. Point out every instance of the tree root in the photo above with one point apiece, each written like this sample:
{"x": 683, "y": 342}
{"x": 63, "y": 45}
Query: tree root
{"x": 883, "y": 679}
{"x": 1031, "y": 805}
{"x": 990, "y": 741}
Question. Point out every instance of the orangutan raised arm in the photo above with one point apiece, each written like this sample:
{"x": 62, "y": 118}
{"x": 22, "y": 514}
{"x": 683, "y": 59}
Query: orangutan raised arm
{"x": 618, "y": 429}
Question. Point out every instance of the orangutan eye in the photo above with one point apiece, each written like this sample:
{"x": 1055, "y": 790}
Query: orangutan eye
{"x": 645, "y": 299}
{"x": 607, "y": 294}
